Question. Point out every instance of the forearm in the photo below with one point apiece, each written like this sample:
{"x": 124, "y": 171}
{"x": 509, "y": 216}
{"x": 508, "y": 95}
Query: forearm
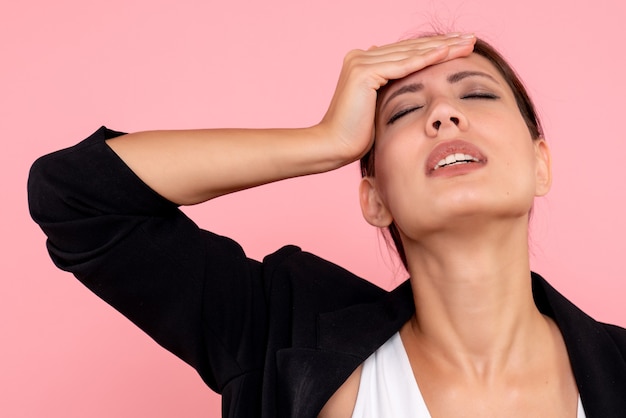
{"x": 189, "y": 167}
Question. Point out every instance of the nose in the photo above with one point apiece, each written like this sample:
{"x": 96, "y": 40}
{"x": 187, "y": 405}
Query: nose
{"x": 445, "y": 115}
{"x": 453, "y": 119}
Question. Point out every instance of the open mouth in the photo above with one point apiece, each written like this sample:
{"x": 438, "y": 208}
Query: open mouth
{"x": 454, "y": 159}
{"x": 454, "y": 153}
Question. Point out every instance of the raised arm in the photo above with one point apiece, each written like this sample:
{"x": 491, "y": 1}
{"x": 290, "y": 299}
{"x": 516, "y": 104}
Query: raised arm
{"x": 189, "y": 167}
{"x": 194, "y": 292}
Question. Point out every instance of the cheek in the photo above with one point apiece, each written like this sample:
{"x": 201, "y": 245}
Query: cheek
{"x": 398, "y": 165}
{"x": 518, "y": 169}
{"x": 510, "y": 138}
{"x": 399, "y": 182}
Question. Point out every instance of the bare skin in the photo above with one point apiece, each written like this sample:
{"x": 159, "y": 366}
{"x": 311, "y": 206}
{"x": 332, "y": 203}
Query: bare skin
{"x": 541, "y": 387}
{"x": 190, "y": 167}
{"x": 477, "y": 344}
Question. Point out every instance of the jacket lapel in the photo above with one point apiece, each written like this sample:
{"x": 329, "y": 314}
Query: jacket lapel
{"x": 597, "y": 362}
{"x": 361, "y": 329}
{"x": 308, "y": 377}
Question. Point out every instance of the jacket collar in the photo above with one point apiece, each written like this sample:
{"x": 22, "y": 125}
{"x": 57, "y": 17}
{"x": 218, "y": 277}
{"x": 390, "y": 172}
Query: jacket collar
{"x": 597, "y": 361}
{"x": 308, "y": 377}
{"x": 348, "y": 336}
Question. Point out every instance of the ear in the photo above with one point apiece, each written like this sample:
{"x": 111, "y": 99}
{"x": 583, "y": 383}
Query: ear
{"x": 374, "y": 210}
{"x": 543, "y": 172}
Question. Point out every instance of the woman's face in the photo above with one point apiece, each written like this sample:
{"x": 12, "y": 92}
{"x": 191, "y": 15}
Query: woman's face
{"x": 451, "y": 148}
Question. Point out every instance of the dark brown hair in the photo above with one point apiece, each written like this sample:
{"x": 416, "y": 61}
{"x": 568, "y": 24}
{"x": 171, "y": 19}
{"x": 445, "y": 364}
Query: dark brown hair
{"x": 524, "y": 103}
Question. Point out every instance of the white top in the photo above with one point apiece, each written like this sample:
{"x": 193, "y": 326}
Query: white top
{"x": 389, "y": 389}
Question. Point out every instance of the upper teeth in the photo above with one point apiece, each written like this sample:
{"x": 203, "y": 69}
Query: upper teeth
{"x": 455, "y": 158}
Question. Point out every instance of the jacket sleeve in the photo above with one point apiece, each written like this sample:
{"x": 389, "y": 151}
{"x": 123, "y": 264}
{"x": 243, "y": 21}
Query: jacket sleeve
{"x": 192, "y": 291}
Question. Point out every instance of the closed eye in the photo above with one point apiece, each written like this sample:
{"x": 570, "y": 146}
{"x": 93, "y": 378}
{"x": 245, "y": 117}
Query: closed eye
{"x": 401, "y": 113}
{"x": 490, "y": 96}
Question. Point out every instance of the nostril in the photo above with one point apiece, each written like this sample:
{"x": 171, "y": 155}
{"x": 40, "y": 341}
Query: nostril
{"x": 436, "y": 124}
{"x": 455, "y": 120}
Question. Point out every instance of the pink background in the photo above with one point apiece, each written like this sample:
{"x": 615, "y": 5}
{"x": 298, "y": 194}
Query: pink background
{"x": 69, "y": 66}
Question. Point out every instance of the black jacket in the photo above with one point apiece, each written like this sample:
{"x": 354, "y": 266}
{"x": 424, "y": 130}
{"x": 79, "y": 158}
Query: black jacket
{"x": 276, "y": 338}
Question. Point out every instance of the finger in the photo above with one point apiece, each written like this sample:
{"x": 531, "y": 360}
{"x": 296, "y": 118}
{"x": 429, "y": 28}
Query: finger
{"x": 425, "y": 39}
{"x": 420, "y": 43}
{"x": 458, "y": 47}
{"x": 400, "y": 68}
{"x": 430, "y": 44}
{"x": 405, "y": 65}
{"x": 461, "y": 47}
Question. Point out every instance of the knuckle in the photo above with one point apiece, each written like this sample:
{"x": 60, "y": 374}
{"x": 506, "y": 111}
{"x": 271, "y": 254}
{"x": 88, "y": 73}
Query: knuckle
{"x": 353, "y": 55}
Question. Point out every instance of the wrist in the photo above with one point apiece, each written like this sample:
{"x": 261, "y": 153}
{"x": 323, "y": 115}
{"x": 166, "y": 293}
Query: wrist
{"x": 336, "y": 150}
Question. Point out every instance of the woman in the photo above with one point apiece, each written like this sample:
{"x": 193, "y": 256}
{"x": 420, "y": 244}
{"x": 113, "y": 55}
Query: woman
{"x": 457, "y": 160}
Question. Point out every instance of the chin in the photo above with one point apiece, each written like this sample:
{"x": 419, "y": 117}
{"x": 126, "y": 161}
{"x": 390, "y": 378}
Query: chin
{"x": 469, "y": 214}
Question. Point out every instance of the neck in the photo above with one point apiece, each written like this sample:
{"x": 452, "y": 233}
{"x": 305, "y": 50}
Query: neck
{"x": 473, "y": 296}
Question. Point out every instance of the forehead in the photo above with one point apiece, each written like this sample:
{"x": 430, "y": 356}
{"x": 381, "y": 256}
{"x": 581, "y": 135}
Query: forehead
{"x": 440, "y": 72}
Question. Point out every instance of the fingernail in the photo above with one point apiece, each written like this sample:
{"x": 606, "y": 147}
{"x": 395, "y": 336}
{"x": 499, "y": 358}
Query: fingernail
{"x": 452, "y": 34}
{"x": 468, "y": 36}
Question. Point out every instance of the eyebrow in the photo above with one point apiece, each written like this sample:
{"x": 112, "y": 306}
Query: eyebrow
{"x": 407, "y": 88}
{"x": 456, "y": 77}
{"x": 452, "y": 79}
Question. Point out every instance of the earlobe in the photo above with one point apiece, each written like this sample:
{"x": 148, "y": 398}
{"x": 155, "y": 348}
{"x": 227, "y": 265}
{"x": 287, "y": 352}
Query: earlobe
{"x": 374, "y": 210}
{"x": 544, "y": 167}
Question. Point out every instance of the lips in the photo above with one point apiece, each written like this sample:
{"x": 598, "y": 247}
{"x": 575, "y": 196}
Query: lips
{"x": 454, "y": 153}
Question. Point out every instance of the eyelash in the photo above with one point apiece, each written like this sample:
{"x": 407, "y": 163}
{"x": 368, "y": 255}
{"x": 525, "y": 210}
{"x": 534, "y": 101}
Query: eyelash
{"x": 401, "y": 113}
{"x": 490, "y": 96}
{"x": 472, "y": 96}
